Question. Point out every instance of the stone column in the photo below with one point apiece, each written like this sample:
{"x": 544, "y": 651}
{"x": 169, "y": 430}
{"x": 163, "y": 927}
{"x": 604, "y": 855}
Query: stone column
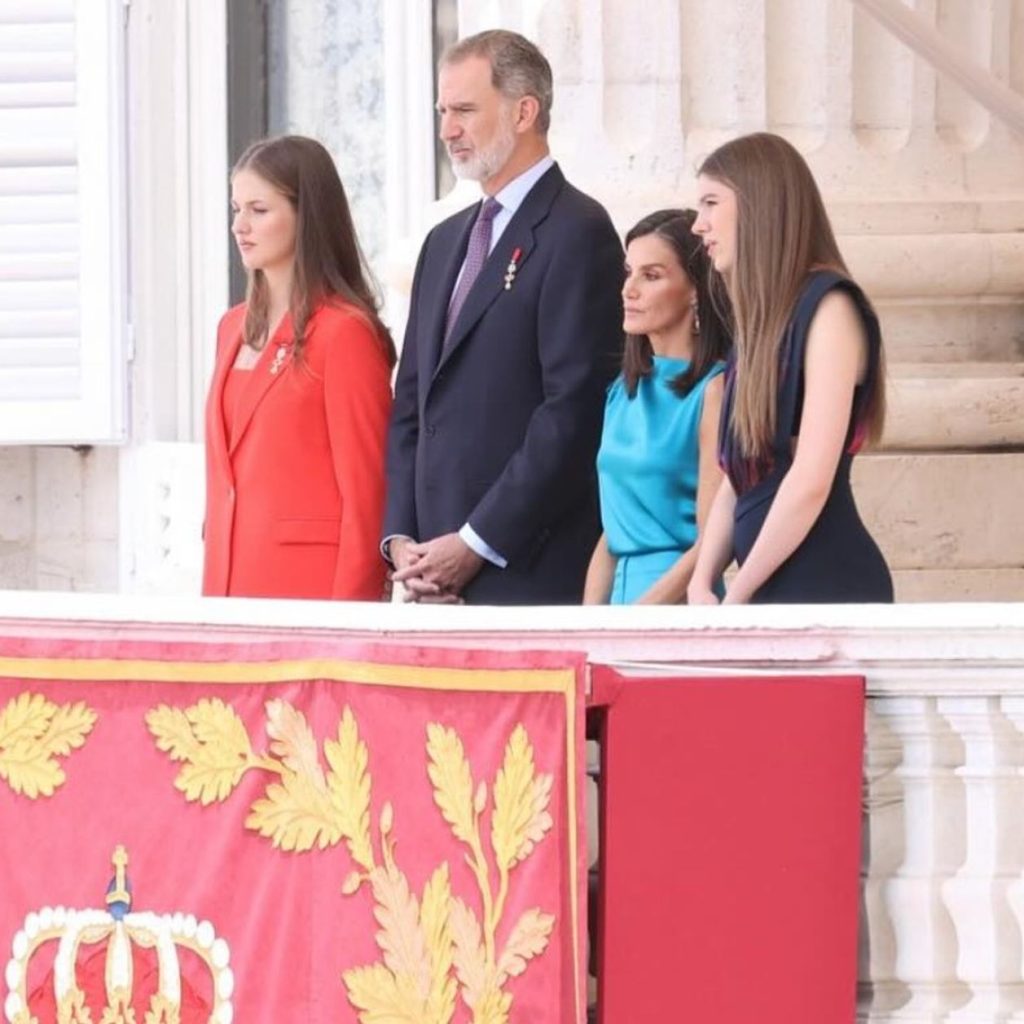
{"x": 932, "y": 829}
{"x": 988, "y": 935}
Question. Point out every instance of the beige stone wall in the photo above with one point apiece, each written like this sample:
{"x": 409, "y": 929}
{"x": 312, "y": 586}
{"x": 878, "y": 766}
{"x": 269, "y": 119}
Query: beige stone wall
{"x": 59, "y": 519}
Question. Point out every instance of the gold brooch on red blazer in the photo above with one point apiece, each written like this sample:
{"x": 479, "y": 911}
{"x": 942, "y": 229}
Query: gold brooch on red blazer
{"x": 279, "y": 357}
{"x": 513, "y": 266}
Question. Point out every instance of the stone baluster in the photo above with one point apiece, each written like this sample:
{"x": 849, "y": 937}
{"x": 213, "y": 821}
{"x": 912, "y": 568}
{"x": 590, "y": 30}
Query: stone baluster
{"x": 962, "y": 121}
{"x": 932, "y": 812}
{"x": 879, "y": 990}
{"x": 989, "y": 949}
{"x": 1013, "y": 709}
{"x": 796, "y": 71}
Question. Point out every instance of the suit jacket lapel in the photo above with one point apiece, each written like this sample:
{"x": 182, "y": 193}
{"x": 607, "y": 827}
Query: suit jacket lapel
{"x": 260, "y": 381}
{"x": 519, "y": 234}
{"x": 218, "y": 428}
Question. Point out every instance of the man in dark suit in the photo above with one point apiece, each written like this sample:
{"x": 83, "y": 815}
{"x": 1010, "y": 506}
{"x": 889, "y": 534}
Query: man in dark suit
{"x": 514, "y": 330}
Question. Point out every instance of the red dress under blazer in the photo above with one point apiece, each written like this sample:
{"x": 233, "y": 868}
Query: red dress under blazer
{"x": 295, "y": 484}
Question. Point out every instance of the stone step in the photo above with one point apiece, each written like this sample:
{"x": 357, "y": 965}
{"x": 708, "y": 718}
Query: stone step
{"x": 925, "y": 215}
{"x": 954, "y": 406}
{"x": 953, "y": 329}
{"x": 959, "y": 584}
{"x": 945, "y": 512}
{"x": 941, "y": 266}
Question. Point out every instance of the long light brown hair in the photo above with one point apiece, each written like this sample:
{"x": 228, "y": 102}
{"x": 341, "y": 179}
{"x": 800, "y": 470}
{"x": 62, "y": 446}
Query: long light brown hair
{"x": 782, "y": 234}
{"x": 329, "y": 264}
{"x": 712, "y": 343}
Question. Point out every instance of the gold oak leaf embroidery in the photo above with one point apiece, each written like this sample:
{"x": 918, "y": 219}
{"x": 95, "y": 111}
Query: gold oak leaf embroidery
{"x": 519, "y": 821}
{"x": 296, "y": 814}
{"x": 349, "y": 785}
{"x": 453, "y": 783}
{"x": 528, "y": 938}
{"x": 211, "y": 740}
{"x": 521, "y": 818}
{"x": 521, "y": 798}
{"x": 470, "y": 960}
{"x": 34, "y": 732}
{"x": 434, "y": 921}
{"x": 400, "y": 938}
{"x": 380, "y": 996}
{"x": 433, "y": 946}
{"x": 307, "y": 808}
{"x": 304, "y": 807}
{"x": 294, "y": 742}
{"x": 415, "y": 981}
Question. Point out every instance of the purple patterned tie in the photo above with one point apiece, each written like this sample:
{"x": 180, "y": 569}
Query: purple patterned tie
{"x": 476, "y": 256}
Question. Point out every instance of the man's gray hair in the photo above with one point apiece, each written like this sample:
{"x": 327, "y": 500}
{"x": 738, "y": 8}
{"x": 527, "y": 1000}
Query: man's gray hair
{"x": 518, "y": 68}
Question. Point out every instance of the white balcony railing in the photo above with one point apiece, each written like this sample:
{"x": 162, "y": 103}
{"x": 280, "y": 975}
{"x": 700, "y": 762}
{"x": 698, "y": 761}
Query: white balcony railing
{"x": 943, "y": 867}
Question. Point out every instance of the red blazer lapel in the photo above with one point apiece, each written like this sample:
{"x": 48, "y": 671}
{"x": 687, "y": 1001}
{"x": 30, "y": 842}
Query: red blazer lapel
{"x": 217, "y": 438}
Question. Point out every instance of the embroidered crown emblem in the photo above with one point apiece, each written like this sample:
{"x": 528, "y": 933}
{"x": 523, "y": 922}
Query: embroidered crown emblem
{"x": 126, "y": 935}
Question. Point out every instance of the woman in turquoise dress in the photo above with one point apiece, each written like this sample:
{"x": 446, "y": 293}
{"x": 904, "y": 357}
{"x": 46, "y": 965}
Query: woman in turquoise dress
{"x": 657, "y": 465}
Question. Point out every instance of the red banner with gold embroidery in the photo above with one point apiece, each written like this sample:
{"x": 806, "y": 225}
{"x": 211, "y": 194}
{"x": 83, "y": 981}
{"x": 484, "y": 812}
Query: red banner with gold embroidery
{"x": 289, "y": 832}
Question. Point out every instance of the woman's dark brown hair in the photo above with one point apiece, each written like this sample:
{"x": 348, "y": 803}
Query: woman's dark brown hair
{"x": 328, "y": 262}
{"x": 713, "y": 339}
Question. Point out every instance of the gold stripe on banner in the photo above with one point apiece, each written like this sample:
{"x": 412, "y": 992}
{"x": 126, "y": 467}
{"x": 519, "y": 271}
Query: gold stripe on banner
{"x": 414, "y": 676}
{"x": 558, "y": 681}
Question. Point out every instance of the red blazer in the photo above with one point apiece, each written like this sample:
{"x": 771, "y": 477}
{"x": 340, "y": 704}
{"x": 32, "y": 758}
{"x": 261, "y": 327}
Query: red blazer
{"x": 294, "y": 503}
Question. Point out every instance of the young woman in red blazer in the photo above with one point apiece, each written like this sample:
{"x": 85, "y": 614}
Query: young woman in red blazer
{"x": 297, "y": 415}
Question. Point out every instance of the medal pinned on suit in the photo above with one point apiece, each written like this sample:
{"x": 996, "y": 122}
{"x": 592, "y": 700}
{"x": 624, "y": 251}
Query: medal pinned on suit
{"x": 512, "y": 268}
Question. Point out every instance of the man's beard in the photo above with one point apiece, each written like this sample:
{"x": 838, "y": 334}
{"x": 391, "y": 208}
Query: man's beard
{"x": 486, "y": 162}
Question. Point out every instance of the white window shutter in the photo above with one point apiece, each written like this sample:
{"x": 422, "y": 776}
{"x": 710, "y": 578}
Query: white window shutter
{"x": 62, "y": 222}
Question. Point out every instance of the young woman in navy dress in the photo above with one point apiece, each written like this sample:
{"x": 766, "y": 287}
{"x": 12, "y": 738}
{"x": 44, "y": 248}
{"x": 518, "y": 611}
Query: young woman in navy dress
{"x": 804, "y": 390}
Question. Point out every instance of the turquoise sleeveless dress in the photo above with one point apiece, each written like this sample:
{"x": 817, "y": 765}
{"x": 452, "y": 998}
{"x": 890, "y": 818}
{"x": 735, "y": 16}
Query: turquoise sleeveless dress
{"x": 647, "y": 468}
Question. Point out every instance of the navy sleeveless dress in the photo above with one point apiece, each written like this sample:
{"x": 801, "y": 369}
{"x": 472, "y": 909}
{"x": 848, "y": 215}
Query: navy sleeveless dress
{"x": 838, "y": 561}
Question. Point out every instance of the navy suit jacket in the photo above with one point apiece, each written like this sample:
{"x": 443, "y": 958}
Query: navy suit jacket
{"x": 502, "y": 430}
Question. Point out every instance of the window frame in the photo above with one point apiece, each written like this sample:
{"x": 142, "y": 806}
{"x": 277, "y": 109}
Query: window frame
{"x": 99, "y": 413}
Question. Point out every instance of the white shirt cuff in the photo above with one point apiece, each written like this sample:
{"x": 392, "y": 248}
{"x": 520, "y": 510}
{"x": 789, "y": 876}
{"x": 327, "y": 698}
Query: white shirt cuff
{"x": 473, "y": 540}
{"x": 385, "y": 545}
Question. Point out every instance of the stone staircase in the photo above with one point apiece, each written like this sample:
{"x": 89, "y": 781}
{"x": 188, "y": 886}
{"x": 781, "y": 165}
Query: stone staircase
{"x": 944, "y": 493}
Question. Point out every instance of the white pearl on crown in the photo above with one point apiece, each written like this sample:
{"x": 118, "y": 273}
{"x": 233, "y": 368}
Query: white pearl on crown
{"x": 220, "y": 954}
{"x": 225, "y": 983}
{"x": 205, "y": 935}
{"x": 12, "y": 1006}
